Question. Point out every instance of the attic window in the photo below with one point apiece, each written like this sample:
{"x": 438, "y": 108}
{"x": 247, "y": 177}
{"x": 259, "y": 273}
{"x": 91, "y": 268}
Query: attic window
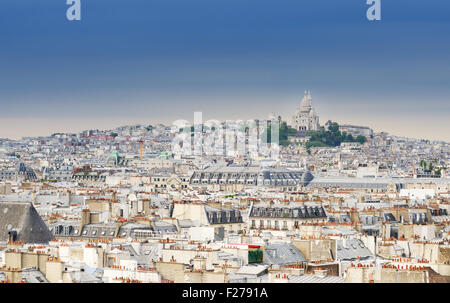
{"x": 85, "y": 232}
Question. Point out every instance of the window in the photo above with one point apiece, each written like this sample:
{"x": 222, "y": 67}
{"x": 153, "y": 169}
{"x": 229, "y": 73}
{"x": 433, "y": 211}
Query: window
{"x": 67, "y": 230}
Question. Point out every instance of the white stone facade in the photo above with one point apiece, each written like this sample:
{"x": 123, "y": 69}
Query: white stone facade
{"x": 305, "y": 118}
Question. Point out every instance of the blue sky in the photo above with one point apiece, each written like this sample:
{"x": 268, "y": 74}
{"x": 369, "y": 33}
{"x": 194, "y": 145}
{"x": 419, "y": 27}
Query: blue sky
{"x": 140, "y": 61}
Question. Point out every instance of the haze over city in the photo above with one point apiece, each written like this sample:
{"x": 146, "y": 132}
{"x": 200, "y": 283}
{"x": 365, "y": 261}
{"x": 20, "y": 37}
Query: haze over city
{"x": 163, "y": 60}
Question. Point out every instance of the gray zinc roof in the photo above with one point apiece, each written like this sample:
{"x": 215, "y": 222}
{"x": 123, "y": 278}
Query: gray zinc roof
{"x": 350, "y": 249}
{"x": 283, "y": 253}
{"x": 22, "y": 221}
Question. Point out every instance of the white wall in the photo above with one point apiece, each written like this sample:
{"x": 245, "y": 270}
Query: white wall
{"x": 417, "y": 194}
{"x": 203, "y": 233}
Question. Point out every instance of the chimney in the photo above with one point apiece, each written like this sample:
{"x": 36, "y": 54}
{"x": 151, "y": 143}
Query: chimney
{"x": 141, "y": 149}
{"x": 85, "y": 218}
{"x": 199, "y": 263}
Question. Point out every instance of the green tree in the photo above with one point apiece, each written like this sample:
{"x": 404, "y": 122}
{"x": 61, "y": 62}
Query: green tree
{"x": 332, "y": 137}
{"x": 423, "y": 164}
{"x": 439, "y": 170}
{"x": 334, "y": 127}
{"x": 361, "y": 139}
{"x": 284, "y": 132}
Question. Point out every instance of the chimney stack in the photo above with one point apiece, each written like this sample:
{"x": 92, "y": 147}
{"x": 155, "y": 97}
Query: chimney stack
{"x": 85, "y": 218}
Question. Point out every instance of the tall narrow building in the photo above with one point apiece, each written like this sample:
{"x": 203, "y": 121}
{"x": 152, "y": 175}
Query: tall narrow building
{"x": 305, "y": 117}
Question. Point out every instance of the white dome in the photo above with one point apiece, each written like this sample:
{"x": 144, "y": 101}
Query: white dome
{"x": 306, "y": 103}
{"x": 305, "y": 117}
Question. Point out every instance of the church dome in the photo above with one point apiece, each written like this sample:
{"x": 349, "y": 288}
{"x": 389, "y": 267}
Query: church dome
{"x": 114, "y": 157}
{"x": 306, "y": 104}
{"x": 305, "y": 117}
{"x": 306, "y": 177}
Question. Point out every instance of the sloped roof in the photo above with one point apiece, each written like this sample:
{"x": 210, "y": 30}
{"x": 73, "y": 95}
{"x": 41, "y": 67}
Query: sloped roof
{"x": 22, "y": 218}
{"x": 149, "y": 252}
{"x": 252, "y": 270}
{"x": 315, "y": 279}
{"x": 185, "y": 223}
{"x": 163, "y": 227}
{"x": 32, "y": 275}
{"x": 283, "y": 253}
{"x": 351, "y": 249}
{"x": 84, "y": 277}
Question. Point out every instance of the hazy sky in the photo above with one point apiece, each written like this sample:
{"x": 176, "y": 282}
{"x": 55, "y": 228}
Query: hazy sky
{"x": 146, "y": 61}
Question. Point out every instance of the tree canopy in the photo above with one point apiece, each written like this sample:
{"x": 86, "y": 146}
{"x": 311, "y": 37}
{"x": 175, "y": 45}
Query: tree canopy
{"x": 331, "y": 137}
{"x": 285, "y": 132}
